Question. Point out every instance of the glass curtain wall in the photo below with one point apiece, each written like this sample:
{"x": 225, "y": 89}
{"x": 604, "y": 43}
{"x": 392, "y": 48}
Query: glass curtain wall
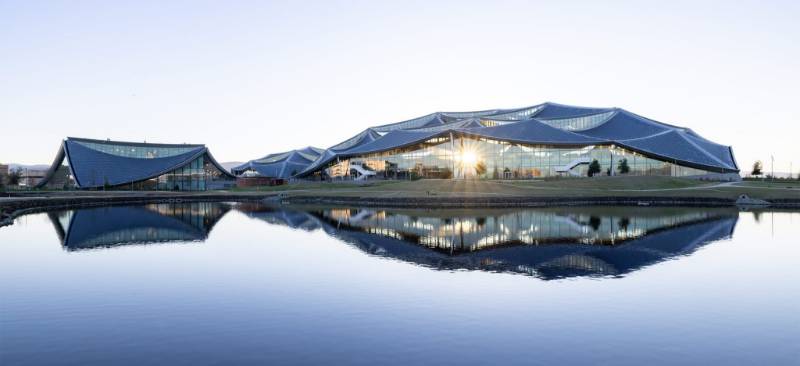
{"x": 525, "y": 227}
{"x": 191, "y": 177}
{"x": 481, "y": 158}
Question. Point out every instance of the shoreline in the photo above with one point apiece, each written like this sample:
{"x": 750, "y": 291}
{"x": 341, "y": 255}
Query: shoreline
{"x": 13, "y": 207}
{"x": 514, "y": 202}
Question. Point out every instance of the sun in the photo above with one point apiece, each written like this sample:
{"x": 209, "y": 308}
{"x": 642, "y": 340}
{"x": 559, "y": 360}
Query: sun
{"x": 469, "y": 158}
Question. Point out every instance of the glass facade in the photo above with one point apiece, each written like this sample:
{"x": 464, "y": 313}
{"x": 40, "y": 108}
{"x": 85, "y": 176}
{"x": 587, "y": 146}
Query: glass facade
{"x": 190, "y": 177}
{"x": 198, "y": 175}
{"x": 480, "y": 158}
{"x": 531, "y": 227}
{"x": 579, "y": 123}
{"x": 140, "y": 152}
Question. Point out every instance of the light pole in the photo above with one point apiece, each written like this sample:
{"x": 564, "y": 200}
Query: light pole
{"x": 772, "y": 158}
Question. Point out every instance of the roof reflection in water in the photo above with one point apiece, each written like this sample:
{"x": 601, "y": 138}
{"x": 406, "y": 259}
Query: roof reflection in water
{"x": 548, "y": 243}
{"x": 103, "y": 227}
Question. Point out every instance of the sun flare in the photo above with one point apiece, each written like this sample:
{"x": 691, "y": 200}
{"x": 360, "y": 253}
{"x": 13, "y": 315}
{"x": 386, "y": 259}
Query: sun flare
{"x": 469, "y": 158}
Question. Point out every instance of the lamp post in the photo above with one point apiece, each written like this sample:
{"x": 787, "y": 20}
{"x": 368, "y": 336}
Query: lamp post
{"x": 772, "y": 158}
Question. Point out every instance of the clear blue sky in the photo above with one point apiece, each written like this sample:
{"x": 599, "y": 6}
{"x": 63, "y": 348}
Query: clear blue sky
{"x": 250, "y": 78}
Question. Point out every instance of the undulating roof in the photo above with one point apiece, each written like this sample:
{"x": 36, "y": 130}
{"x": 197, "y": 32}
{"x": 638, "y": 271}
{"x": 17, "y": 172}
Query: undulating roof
{"x": 544, "y": 124}
{"x": 281, "y": 165}
{"x": 97, "y": 163}
{"x": 120, "y": 225}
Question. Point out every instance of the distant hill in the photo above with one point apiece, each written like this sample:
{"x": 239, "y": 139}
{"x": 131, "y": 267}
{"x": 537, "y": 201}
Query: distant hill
{"x": 231, "y": 164}
{"x": 13, "y": 166}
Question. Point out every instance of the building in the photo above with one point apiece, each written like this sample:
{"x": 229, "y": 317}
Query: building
{"x": 277, "y": 167}
{"x": 95, "y": 164}
{"x": 544, "y": 140}
{"x": 3, "y": 174}
{"x": 549, "y": 243}
{"x": 112, "y": 226}
{"x": 251, "y": 178}
{"x": 31, "y": 177}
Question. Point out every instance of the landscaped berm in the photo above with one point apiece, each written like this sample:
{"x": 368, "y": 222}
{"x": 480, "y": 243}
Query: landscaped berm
{"x": 566, "y": 188}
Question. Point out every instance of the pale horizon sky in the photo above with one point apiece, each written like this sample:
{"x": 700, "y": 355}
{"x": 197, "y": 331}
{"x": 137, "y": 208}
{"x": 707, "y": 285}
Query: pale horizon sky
{"x": 251, "y": 78}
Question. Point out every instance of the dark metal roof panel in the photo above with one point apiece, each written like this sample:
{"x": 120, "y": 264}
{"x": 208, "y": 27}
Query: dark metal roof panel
{"x": 555, "y": 110}
{"x": 531, "y": 131}
{"x": 673, "y": 146}
{"x": 93, "y": 168}
{"x": 624, "y": 125}
{"x": 392, "y": 140}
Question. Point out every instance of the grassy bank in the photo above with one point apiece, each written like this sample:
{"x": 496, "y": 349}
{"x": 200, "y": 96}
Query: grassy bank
{"x": 566, "y": 188}
{"x": 451, "y": 193}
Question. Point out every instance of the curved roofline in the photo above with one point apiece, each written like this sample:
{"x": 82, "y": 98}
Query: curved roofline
{"x": 672, "y": 160}
{"x": 217, "y": 165}
{"x": 131, "y": 143}
{"x": 641, "y": 128}
{"x": 51, "y": 171}
{"x": 65, "y": 154}
{"x": 601, "y": 110}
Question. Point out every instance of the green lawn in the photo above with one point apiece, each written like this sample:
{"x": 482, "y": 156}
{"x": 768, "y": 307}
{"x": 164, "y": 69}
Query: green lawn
{"x": 564, "y": 187}
{"x": 594, "y": 187}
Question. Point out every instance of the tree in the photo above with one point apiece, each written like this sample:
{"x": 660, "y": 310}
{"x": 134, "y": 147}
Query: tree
{"x": 757, "y": 168}
{"x": 594, "y": 168}
{"x": 623, "y": 167}
{"x": 480, "y": 168}
{"x": 495, "y": 173}
{"x": 14, "y": 176}
{"x": 624, "y": 223}
{"x": 594, "y": 222}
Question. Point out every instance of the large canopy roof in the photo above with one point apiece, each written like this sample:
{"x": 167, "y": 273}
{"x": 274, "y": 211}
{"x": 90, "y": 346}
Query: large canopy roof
{"x": 281, "y": 165}
{"x": 97, "y": 163}
{"x": 543, "y": 124}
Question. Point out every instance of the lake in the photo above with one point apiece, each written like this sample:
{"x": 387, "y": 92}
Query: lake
{"x": 248, "y": 283}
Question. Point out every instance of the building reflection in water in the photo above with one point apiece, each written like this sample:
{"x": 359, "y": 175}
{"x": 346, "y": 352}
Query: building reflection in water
{"x": 103, "y": 227}
{"x": 548, "y": 243}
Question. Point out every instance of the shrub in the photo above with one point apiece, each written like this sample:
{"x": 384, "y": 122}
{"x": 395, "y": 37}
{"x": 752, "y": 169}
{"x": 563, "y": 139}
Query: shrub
{"x": 480, "y": 168}
{"x": 14, "y": 176}
{"x": 623, "y": 167}
{"x": 594, "y": 168}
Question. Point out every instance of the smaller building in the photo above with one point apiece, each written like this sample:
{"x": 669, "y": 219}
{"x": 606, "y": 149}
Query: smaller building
{"x": 258, "y": 181}
{"x": 275, "y": 169}
{"x": 105, "y": 164}
{"x": 3, "y": 174}
{"x": 31, "y": 177}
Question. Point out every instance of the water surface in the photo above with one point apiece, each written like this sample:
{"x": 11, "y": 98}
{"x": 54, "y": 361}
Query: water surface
{"x": 247, "y": 283}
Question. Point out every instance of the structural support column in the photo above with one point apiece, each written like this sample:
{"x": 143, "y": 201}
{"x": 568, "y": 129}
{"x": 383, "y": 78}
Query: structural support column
{"x": 453, "y": 155}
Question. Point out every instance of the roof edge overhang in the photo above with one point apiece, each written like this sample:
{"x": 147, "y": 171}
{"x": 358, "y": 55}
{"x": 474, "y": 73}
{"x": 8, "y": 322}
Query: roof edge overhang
{"x": 60, "y": 156}
{"x": 715, "y": 169}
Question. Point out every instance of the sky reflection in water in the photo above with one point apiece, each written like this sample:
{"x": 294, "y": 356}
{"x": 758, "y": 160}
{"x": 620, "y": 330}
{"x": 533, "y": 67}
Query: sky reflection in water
{"x": 205, "y": 283}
